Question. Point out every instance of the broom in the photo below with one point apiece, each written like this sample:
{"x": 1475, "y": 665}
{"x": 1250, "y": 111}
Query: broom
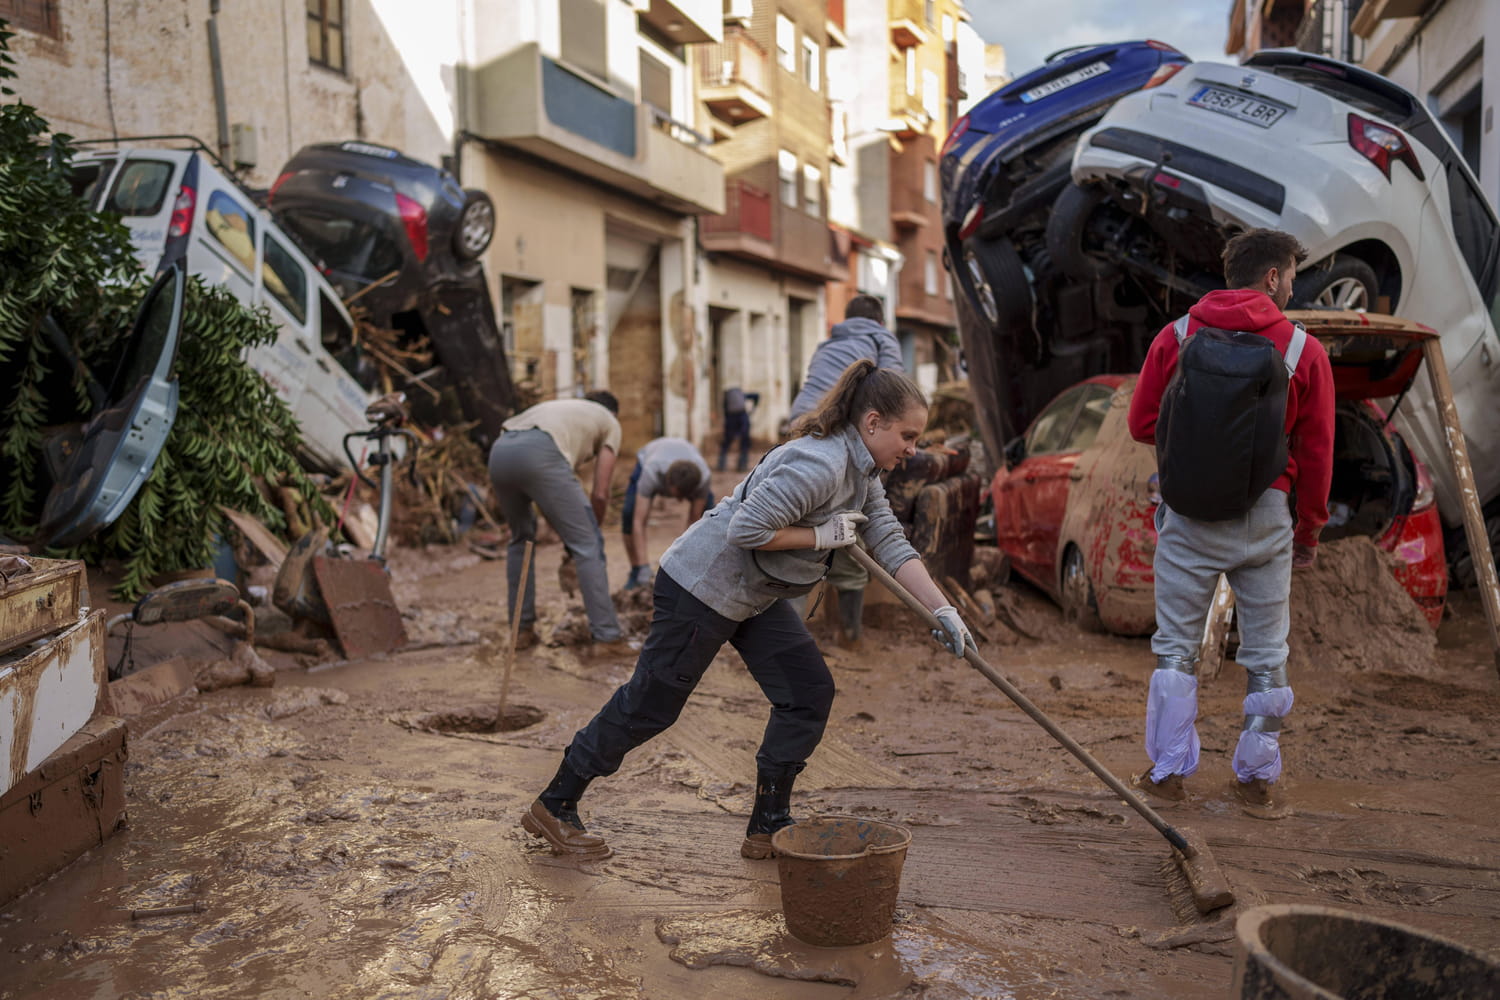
{"x": 1208, "y": 885}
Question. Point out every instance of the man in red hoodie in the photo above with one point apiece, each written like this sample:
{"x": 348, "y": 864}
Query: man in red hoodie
{"x": 1257, "y": 551}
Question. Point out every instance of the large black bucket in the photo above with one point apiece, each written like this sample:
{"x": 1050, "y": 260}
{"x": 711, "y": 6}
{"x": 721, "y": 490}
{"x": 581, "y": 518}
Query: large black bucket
{"x": 1292, "y": 952}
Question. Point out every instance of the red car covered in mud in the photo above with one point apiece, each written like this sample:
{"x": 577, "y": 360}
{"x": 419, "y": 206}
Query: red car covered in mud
{"x": 1074, "y": 505}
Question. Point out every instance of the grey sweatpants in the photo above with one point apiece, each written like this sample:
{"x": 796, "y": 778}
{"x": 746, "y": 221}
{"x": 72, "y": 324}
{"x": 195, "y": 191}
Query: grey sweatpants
{"x": 1255, "y": 552}
{"x": 526, "y": 468}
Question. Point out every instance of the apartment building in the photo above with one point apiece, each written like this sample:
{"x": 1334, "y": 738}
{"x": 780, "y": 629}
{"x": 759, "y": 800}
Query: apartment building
{"x": 763, "y": 99}
{"x": 571, "y": 114}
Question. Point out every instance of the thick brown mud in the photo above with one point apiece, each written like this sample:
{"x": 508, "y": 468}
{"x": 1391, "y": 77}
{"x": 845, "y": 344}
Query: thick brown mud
{"x": 352, "y": 832}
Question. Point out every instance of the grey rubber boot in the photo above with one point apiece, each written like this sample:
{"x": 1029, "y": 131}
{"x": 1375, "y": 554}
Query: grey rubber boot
{"x": 852, "y": 613}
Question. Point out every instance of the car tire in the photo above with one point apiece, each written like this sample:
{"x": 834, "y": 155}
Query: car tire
{"x": 996, "y": 279}
{"x": 1346, "y": 283}
{"x": 1461, "y": 572}
{"x": 1076, "y": 593}
{"x": 476, "y": 225}
{"x": 1068, "y": 229}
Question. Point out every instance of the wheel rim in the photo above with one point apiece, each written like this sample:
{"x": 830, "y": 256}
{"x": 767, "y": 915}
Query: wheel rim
{"x": 1075, "y": 585}
{"x": 982, "y": 289}
{"x": 478, "y": 225}
{"x": 1344, "y": 293}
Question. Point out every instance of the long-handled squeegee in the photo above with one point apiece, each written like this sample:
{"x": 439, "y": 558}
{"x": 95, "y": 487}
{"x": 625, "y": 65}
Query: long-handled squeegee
{"x": 1209, "y": 887}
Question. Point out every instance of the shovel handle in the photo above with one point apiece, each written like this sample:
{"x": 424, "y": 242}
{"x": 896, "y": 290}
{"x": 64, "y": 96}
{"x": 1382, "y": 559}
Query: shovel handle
{"x": 1024, "y": 704}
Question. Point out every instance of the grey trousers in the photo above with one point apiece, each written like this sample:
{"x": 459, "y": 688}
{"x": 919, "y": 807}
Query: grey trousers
{"x": 526, "y": 468}
{"x": 1254, "y": 551}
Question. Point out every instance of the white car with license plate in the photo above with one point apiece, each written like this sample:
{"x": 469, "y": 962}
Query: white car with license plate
{"x": 1353, "y": 166}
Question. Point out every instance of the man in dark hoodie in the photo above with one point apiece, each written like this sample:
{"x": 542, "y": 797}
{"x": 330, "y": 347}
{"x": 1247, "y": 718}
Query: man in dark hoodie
{"x": 1257, "y": 551}
{"x": 861, "y": 335}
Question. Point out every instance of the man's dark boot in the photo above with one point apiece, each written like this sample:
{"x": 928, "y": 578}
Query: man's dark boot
{"x": 554, "y": 817}
{"x": 773, "y": 810}
{"x": 851, "y": 616}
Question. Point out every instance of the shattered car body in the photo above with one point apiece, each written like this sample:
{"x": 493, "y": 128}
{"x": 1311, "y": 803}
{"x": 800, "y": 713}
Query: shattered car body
{"x": 404, "y": 239}
{"x": 1074, "y": 509}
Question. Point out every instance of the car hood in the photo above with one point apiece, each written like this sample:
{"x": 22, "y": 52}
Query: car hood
{"x": 1373, "y": 356}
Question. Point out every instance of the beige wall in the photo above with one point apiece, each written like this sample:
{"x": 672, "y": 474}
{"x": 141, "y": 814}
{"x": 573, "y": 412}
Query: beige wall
{"x": 157, "y": 77}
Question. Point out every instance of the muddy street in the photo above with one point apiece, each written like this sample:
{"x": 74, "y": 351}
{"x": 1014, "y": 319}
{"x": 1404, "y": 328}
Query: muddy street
{"x": 350, "y": 834}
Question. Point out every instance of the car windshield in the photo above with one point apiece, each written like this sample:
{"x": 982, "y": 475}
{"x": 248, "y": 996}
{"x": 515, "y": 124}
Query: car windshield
{"x": 344, "y": 244}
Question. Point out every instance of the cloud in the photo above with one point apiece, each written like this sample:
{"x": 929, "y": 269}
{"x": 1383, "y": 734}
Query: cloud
{"x": 1032, "y": 29}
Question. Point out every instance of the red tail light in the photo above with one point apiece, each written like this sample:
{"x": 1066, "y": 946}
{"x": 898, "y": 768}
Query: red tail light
{"x": 277, "y": 186}
{"x": 1380, "y": 144}
{"x": 182, "y": 212}
{"x": 955, "y": 133}
{"x": 414, "y": 217}
{"x": 1163, "y": 73}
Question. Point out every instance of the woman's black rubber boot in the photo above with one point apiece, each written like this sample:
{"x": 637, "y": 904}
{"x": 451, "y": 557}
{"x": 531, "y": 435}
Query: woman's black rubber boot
{"x": 554, "y": 817}
{"x": 773, "y": 810}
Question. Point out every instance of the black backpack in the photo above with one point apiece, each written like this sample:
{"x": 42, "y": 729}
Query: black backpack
{"x": 1221, "y": 432}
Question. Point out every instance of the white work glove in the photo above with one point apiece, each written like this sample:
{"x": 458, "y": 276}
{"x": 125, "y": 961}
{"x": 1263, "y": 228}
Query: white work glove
{"x": 838, "y": 531}
{"x": 954, "y": 635}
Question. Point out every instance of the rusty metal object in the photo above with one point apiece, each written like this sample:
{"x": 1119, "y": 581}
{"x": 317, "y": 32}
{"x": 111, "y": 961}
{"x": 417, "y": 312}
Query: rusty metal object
{"x": 357, "y": 593}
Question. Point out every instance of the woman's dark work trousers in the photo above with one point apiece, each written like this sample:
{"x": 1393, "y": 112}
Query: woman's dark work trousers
{"x": 685, "y": 636}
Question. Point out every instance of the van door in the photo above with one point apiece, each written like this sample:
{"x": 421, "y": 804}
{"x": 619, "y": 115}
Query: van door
{"x": 142, "y": 190}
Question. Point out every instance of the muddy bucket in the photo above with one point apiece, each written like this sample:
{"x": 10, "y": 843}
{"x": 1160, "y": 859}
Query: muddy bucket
{"x": 839, "y": 878}
{"x": 1291, "y": 952}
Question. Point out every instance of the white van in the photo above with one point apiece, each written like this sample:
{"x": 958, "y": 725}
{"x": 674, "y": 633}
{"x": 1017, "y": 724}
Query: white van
{"x": 180, "y": 206}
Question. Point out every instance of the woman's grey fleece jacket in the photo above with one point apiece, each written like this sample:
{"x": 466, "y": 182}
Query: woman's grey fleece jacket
{"x": 799, "y": 484}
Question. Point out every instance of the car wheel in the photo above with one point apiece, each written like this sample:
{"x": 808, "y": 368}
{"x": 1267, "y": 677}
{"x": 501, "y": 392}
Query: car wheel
{"x": 476, "y": 225}
{"x": 1346, "y": 283}
{"x": 1077, "y": 230}
{"x": 997, "y": 280}
{"x": 1461, "y": 572}
{"x": 1076, "y": 594}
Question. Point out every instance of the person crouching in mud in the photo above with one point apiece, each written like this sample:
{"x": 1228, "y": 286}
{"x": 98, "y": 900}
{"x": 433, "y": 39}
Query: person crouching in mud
{"x": 726, "y": 579}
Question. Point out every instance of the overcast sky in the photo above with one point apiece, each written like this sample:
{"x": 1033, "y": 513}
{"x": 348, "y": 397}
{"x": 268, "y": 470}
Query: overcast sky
{"x": 1031, "y": 29}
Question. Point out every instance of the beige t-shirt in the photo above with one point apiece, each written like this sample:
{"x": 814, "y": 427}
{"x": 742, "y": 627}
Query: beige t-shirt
{"x": 579, "y": 427}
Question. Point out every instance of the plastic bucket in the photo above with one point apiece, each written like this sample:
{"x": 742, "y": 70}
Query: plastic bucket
{"x": 839, "y": 878}
{"x": 1291, "y": 952}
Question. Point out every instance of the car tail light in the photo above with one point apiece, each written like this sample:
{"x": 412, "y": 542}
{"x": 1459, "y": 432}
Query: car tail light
{"x": 1425, "y": 493}
{"x": 182, "y": 211}
{"x": 1163, "y": 73}
{"x": 955, "y": 133}
{"x": 1380, "y": 144}
{"x": 277, "y": 186}
{"x": 971, "y": 221}
{"x": 414, "y": 217}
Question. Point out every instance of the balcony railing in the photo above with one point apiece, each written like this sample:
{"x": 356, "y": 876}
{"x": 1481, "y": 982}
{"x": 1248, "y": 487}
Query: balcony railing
{"x": 747, "y": 211}
{"x": 738, "y": 59}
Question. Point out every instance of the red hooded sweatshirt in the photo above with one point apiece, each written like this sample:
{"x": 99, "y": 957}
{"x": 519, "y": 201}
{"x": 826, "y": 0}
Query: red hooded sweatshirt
{"x": 1309, "y": 400}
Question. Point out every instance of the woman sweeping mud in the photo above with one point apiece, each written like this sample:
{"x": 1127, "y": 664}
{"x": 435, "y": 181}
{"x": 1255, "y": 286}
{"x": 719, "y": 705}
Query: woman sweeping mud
{"x": 725, "y": 580}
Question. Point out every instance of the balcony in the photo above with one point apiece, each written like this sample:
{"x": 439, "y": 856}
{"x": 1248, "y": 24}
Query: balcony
{"x": 908, "y": 118}
{"x": 684, "y": 21}
{"x": 911, "y": 22}
{"x": 531, "y": 102}
{"x": 745, "y": 226}
{"x": 732, "y": 79}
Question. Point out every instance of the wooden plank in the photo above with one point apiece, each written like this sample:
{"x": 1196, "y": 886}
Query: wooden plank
{"x": 1468, "y": 492}
{"x": 273, "y": 548}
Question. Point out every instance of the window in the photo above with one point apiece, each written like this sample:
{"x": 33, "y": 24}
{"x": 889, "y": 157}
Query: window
{"x": 810, "y": 59}
{"x": 1090, "y": 418}
{"x": 947, "y": 286}
{"x": 656, "y": 83}
{"x": 929, "y": 7}
{"x": 738, "y": 10}
{"x": 786, "y": 168}
{"x": 1473, "y": 224}
{"x": 584, "y": 42}
{"x": 930, "y": 273}
{"x": 140, "y": 189}
{"x": 325, "y": 33}
{"x": 932, "y": 95}
{"x": 285, "y": 279}
{"x": 39, "y": 16}
{"x": 812, "y": 189}
{"x": 1049, "y": 434}
{"x": 929, "y": 180}
{"x": 231, "y": 225}
{"x": 911, "y": 69}
{"x": 948, "y": 28}
{"x": 786, "y": 43}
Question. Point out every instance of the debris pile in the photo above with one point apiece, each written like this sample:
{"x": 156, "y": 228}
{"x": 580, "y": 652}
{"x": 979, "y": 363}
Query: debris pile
{"x": 1349, "y": 612}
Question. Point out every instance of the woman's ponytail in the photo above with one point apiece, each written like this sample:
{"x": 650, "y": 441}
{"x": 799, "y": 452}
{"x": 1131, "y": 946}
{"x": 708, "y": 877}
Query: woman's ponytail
{"x": 861, "y": 388}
